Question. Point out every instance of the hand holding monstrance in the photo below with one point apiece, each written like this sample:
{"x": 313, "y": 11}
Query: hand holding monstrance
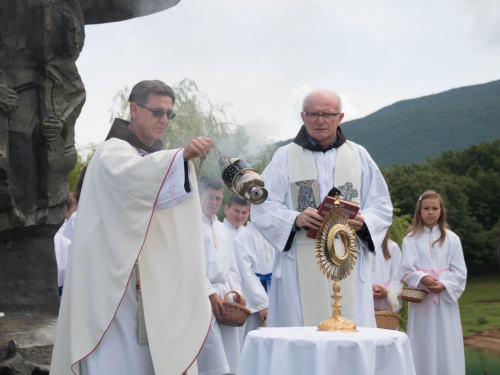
{"x": 336, "y": 255}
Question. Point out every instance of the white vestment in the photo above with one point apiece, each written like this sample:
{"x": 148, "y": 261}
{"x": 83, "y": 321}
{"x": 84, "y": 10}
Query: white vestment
{"x": 61, "y": 249}
{"x": 434, "y": 326}
{"x": 69, "y": 226}
{"x": 275, "y": 219}
{"x": 221, "y": 352}
{"x": 254, "y": 255}
{"x": 385, "y": 270}
{"x": 118, "y": 225}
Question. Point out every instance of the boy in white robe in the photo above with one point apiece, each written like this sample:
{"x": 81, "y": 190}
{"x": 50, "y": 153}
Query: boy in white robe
{"x": 221, "y": 352}
{"x": 255, "y": 258}
{"x": 62, "y": 244}
{"x": 237, "y": 211}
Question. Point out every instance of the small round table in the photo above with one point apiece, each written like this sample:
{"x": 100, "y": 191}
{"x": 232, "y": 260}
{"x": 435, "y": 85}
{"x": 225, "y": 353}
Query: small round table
{"x": 305, "y": 351}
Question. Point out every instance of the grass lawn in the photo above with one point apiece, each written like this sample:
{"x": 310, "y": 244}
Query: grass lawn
{"x": 480, "y": 304}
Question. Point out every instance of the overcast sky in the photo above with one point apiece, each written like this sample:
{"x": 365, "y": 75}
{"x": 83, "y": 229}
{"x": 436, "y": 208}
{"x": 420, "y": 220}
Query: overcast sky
{"x": 263, "y": 56}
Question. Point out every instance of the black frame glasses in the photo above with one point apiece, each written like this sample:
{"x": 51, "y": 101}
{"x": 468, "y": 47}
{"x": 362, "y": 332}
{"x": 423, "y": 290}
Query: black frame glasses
{"x": 158, "y": 113}
{"x": 315, "y": 115}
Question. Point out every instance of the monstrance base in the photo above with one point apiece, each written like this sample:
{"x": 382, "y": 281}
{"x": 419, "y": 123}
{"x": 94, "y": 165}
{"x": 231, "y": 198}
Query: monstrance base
{"x": 337, "y": 324}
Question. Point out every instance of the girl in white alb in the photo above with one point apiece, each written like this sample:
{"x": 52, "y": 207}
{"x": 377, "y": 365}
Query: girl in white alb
{"x": 385, "y": 263}
{"x": 433, "y": 257}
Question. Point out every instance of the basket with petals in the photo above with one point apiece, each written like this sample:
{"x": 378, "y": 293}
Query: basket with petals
{"x": 235, "y": 315}
{"x": 412, "y": 294}
{"x": 387, "y": 319}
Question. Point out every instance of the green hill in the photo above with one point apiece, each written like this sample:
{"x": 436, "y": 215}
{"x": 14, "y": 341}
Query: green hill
{"x": 411, "y": 130}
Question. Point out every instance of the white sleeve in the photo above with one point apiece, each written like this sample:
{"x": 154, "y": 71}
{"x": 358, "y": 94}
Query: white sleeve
{"x": 253, "y": 291}
{"x": 172, "y": 191}
{"x": 454, "y": 281}
{"x": 410, "y": 264}
{"x": 375, "y": 204}
{"x": 234, "y": 274}
{"x": 273, "y": 218}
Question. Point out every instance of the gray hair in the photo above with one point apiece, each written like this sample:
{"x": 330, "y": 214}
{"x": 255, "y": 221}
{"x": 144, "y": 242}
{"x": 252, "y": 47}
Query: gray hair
{"x": 140, "y": 92}
{"x": 209, "y": 181}
{"x": 321, "y": 91}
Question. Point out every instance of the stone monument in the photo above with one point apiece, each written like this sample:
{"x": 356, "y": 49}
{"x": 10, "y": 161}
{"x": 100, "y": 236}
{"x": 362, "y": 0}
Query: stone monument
{"x": 41, "y": 97}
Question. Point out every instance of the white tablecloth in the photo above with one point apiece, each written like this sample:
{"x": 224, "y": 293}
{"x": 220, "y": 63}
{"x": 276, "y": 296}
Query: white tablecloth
{"x": 304, "y": 351}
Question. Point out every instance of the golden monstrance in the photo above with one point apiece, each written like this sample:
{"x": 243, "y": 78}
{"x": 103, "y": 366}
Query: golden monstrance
{"x": 336, "y": 255}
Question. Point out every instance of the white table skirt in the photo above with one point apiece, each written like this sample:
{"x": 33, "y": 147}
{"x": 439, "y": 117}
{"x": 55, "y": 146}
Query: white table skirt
{"x": 304, "y": 350}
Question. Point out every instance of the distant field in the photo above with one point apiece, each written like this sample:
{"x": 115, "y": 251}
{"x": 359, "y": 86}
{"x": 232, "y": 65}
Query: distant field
{"x": 480, "y": 305}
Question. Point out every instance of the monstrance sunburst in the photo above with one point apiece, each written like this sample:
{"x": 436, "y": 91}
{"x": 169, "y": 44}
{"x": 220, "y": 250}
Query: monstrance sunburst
{"x": 336, "y": 254}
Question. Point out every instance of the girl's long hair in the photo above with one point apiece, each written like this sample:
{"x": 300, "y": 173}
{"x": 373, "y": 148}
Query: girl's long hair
{"x": 417, "y": 226}
{"x": 385, "y": 247}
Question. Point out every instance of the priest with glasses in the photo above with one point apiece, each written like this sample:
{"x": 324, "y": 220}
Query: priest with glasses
{"x": 134, "y": 297}
{"x": 299, "y": 176}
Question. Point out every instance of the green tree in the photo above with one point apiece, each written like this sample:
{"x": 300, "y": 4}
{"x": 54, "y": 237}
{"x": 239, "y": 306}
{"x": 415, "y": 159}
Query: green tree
{"x": 399, "y": 227}
{"x": 84, "y": 154}
{"x": 120, "y": 108}
{"x": 469, "y": 182}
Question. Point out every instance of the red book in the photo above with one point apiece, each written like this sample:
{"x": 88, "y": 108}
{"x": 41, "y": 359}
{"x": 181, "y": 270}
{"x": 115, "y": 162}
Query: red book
{"x": 349, "y": 208}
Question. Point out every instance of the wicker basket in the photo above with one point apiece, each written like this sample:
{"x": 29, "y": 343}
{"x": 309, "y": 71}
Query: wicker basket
{"x": 387, "y": 319}
{"x": 235, "y": 315}
{"x": 412, "y": 294}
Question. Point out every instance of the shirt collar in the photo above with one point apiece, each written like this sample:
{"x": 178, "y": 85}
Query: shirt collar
{"x": 120, "y": 130}
{"x": 226, "y": 221}
{"x": 210, "y": 219}
{"x": 304, "y": 140}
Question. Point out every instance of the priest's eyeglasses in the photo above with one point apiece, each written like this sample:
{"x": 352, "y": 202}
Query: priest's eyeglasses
{"x": 315, "y": 115}
{"x": 158, "y": 112}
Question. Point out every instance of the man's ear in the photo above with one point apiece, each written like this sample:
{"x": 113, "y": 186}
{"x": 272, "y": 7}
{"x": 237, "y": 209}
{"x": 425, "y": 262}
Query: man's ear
{"x": 134, "y": 109}
{"x": 226, "y": 208}
{"x": 341, "y": 116}
{"x": 303, "y": 117}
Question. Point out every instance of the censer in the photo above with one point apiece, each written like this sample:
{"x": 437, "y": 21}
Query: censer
{"x": 336, "y": 254}
{"x": 246, "y": 182}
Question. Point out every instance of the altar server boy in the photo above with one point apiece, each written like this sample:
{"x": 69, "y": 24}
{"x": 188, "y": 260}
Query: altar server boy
{"x": 255, "y": 259}
{"x": 237, "y": 211}
{"x": 221, "y": 351}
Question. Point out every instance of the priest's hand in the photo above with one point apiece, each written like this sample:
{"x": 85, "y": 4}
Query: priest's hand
{"x": 358, "y": 222}
{"x": 216, "y": 302}
{"x": 263, "y": 315}
{"x": 379, "y": 292}
{"x": 438, "y": 288}
{"x": 238, "y": 298}
{"x": 429, "y": 281}
{"x": 309, "y": 218}
{"x": 199, "y": 147}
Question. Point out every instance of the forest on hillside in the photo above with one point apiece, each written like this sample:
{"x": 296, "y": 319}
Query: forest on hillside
{"x": 468, "y": 180}
{"x": 412, "y": 130}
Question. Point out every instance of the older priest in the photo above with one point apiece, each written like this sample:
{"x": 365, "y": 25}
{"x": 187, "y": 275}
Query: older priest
{"x": 135, "y": 299}
{"x": 298, "y": 178}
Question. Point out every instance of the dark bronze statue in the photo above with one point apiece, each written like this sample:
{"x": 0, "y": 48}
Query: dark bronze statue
{"x": 41, "y": 97}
